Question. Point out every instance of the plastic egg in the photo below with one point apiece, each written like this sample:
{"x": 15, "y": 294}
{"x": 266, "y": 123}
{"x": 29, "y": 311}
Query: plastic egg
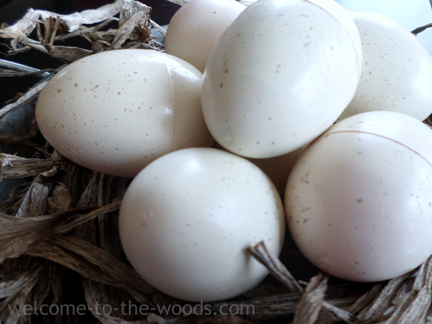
{"x": 279, "y": 76}
{"x": 196, "y": 27}
{"x": 397, "y": 70}
{"x": 359, "y": 199}
{"x": 115, "y": 112}
{"x": 188, "y": 218}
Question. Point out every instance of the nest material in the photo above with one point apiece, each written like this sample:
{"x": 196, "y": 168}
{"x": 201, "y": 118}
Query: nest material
{"x": 59, "y": 243}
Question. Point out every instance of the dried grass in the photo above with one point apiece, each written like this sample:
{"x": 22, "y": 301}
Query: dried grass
{"x": 58, "y": 232}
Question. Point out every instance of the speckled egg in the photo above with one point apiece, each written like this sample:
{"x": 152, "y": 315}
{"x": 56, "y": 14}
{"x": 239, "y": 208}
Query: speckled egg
{"x": 397, "y": 70}
{"x": 188, "y": 218}
{"x": 277, "y": 168}
{"x": 196, "y": 27}
{"x": 359, "y": 199}
{"x": 116, "y": 111}
{"x": 280, "y": 75}
{"x": 409, "y": 14}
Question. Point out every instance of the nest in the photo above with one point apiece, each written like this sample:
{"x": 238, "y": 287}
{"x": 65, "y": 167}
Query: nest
{"x": 60, "y": 253}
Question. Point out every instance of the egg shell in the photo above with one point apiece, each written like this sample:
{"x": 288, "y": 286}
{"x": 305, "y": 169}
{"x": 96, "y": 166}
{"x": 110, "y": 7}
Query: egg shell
{"x": 279, "y": 76}
{"x": 116, "y": 111}
{"x": 344, "y": 18}
{"x": 189, "y": 217}
{"x": 409, "y": 14}
{"x": 277, "y": 168}
{"x": 397, "y": 70}
{"x": 358, "y": 200}
{"x": 196, "y": 27}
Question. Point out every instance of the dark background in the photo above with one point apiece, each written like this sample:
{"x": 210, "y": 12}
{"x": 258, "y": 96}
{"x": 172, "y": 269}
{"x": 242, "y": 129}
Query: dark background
{"x": 12, "y": 10}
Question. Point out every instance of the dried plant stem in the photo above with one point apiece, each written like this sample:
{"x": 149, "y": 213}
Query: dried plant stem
{"x": 312, "y": 300}
{"x": 421, "y": 29}
{"x": 29, "y": 96}
{"x": 277, "y": 269}
{"x": 112, "y": 207}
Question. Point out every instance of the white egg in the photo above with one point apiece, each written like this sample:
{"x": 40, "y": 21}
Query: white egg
{"x": 277, "y": 168}
{"x": 189, "y": 217}
{"x": 196, "y": 27}
{"x": 409, "y": 14}
{"x": 115, "y": 112}
{"x": 397, "y": 70}
{"x": 279, "y": 76}
{"x": 342, "y": 16}
{"x": 359, "y": 199}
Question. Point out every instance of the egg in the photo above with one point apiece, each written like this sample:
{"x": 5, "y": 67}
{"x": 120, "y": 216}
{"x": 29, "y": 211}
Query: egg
{"x": 279, "y": 76}
{"x": 397, "y": 70}
{"x": 277, "y": 168}
{"x": 345, "y": 19}
{"x": 116, "y": 111}
{"x": 409, "y": 14}
{"x": 196, "y": 27}
{"x": 359, "y": 199}
{"x": 188, "y": 218}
